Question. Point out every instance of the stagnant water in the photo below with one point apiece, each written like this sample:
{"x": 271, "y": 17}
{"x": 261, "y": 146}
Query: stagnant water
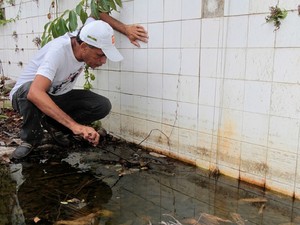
{"x": 121, "y": 184}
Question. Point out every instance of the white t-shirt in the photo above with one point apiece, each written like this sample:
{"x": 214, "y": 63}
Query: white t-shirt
{"x": 57, "y": 62}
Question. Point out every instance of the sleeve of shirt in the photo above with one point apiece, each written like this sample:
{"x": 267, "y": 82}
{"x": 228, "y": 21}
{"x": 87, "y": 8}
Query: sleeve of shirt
{"x": 50, "y": 64}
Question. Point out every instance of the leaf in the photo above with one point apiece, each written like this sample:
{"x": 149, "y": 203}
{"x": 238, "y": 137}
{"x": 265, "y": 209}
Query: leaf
{"x": 61, "y": 27}
{"x": 83, "y": 16}
{"x": 113, "y": 5}
{"x": 36, "y": 219}
{"x": 94, "y": 9}
{"x": 72, "y": 21}
{"x": 53, "y": 30}
{"x": 119, "y": 3}
{"x": 46, "y": 40}
{"x": 78, "y": 9}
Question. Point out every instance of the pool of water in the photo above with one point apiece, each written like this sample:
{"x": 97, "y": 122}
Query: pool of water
{"x": 122, "y": 184}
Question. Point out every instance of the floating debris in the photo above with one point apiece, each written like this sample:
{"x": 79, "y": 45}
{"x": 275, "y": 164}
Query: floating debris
{"x": 209, "y": 219}
{"x": 261, "y": 210}
{"x": 253, "y": 200}
{"x": 86, "y": 220}
{"x": 170, "y": 222}
{"x": 157, "y": 155}
{"x": 237, "y": 218}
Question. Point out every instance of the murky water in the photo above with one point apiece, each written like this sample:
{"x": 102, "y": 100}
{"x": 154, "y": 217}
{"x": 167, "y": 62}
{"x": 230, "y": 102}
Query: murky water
{"x": 121, "y": 184}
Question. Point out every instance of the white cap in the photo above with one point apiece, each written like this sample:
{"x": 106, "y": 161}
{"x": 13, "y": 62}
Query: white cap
{"x": 101, "y": 35}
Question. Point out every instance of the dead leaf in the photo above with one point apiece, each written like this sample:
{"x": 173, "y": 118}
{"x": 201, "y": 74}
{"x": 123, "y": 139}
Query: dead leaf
{"x": 85, "y": 220}
{"x": 36, "y": 219}
{"x": 5, "y": 159}
{"x": 252, "y": 200}
{"x": 211, "y": 219}
{"x": 263, "y": 206}
{"x": 237, "y": 218}
{"x": 157, "y": 155}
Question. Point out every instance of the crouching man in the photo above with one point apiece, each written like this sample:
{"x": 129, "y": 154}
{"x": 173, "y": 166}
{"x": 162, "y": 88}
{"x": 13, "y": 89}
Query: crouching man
{"x": 44, "y": 93}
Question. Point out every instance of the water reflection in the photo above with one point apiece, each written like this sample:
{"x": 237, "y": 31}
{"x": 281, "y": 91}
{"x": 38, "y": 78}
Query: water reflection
{"x": 10, "y": 180}
{"x": 112, "y": 187}
{"x": 50, "y": 192}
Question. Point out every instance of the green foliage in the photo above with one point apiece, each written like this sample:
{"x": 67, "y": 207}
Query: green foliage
{"x": 3, "y": 19}
{"x": 68, "y": 22}
{"x": 88, "y": 78}
{"x": 276, "y": 14}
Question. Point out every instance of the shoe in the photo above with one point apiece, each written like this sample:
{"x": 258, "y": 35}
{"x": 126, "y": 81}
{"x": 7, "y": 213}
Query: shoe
{"x": 22, "y": 150}
{"x": 59, "y": 137}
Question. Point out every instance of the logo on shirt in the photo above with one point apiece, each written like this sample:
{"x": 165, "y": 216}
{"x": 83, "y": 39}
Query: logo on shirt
{"x": 66, "y": 83}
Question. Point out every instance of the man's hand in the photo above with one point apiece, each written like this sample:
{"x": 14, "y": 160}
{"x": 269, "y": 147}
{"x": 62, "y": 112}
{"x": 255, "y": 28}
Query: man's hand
{"x": 136, "y": 33}
{"x": 133, "y": 32}
{"x": 88, "y": 133}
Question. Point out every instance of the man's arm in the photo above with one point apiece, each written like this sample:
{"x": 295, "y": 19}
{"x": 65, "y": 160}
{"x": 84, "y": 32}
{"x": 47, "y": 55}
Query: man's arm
{"x": 134, "y": 32}
{"x": 38, "y": 96}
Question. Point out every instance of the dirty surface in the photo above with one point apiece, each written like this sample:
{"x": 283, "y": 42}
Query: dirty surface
{"x": 121, "y": 183}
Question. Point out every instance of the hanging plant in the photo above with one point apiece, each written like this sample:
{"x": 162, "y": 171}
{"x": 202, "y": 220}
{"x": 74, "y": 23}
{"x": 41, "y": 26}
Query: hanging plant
{"x": 68, "y": 20}
{"x": 3, "y": 19}
{"x": 89, "y": 77}
{"x": 276, "y": 15}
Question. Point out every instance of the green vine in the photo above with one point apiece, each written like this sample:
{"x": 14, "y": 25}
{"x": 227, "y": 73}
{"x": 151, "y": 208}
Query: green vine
{"x": 89, "y": 77}
{"x": 276, "y": 15}
{"x": 68, "y": 22}
{"x": 3, "y": 19}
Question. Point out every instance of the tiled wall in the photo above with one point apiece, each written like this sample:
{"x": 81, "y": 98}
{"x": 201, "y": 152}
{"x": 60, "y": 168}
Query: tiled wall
{"x": 215, "y": 85}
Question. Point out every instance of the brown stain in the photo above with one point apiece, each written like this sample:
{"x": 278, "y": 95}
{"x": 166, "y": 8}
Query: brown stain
{"x": 203, "y": 152}
{"x": 255, "y": 167}
{"x": 227, "y": 134}
{"x": 228, "y": 131}
{"x": 215, "y": 172}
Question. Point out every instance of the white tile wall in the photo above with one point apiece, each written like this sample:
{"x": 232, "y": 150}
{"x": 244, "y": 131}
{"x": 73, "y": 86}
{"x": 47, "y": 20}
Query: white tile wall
{"x": 190, "y": 34}
{"x": 210, "y": 32}
{"x": 237, "y": 38}
{"x": 188, "y": 89}
{"x": 235, "y": 63}
{"x": 172, "y": 34}
{"x": 140, "y": 11}
{"x": 282, "y": 129}
{"x": 233, "y": 95}
{"x": 222, "y": 92}
{"x": 192, "y": 10}
{"x": 288, "y": 27}
{"x": 155, "y": 11}
{"x": 258, "y": 25}
{"x": 257, "y": 97}
{"x": 285, "y": 100}
{"x": 172, "y": 61}
{"x": 290, "y": 58}
{"x": 255, "y": 129}
{"x": 259, "y": 64}
{"x": 172, "y": 10}
{"x": 155, "y": 60}
{"x": 156, "y": 35}
{"x": 155, "y": 84}
{"x": 190, "y": 61}
{"x": 236, "y": 7}
{"x": 257, "y": 6}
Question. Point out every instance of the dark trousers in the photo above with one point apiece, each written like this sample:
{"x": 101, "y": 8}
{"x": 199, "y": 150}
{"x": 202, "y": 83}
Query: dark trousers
{"x": 83, "y": 106}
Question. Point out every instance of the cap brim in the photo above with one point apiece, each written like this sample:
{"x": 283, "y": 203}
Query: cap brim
{"x": 112, "y": 54}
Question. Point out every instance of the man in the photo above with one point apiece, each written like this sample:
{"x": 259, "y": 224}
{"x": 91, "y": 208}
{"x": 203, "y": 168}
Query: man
{"x": 44, "y": 92}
